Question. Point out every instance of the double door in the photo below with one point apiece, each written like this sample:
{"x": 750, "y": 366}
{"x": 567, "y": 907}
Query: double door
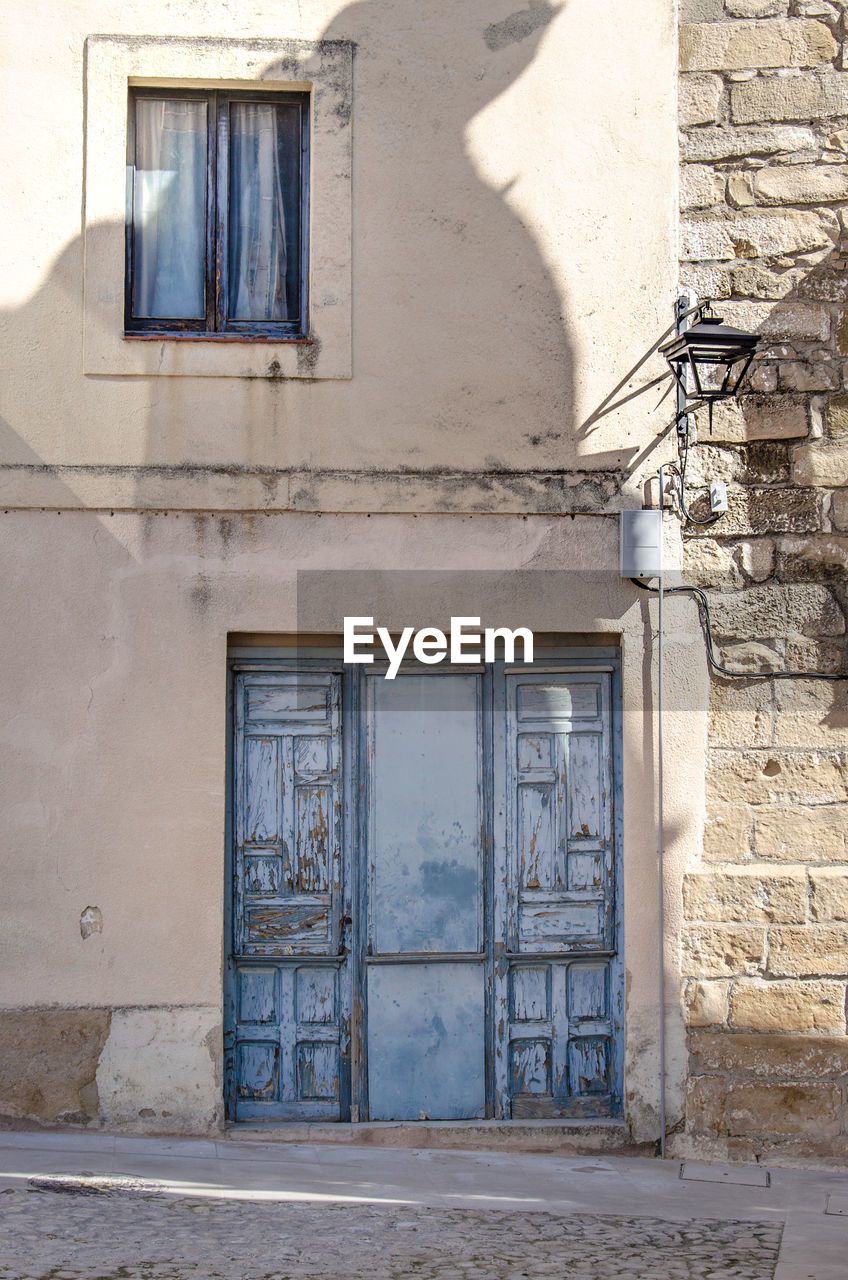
{"x": 422, "y": 917}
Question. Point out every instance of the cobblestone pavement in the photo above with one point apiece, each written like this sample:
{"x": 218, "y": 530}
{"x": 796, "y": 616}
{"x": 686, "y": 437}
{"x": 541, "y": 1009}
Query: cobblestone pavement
{"x": 128, "y": 1232}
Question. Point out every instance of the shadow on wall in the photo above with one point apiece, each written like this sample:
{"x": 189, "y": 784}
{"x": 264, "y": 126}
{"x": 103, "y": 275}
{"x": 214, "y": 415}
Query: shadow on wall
{"x": 460, "y": 338}
{"x": 458, "y": 319}
{"x": 462, "y": 353}
{"x": 462, "y": 335}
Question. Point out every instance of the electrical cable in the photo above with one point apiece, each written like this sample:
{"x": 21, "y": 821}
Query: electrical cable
{"x": 703, "y": 604}
{"x": 704, "y": 611}
{"x": 680, "y": 472}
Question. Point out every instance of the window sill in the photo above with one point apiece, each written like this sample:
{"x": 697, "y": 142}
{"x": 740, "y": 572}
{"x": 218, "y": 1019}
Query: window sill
{"x": 216, "y": 337}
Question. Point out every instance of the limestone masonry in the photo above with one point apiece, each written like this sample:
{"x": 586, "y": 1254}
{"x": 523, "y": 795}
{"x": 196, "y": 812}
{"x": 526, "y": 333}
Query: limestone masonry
{"x": 763, "y": 186}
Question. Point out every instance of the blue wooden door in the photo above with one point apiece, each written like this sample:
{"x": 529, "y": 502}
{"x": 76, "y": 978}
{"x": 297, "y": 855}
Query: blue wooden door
{"x": 424, "y": 916}
{"x": 558, "y": 987}
{"x": 287, "y": 1039}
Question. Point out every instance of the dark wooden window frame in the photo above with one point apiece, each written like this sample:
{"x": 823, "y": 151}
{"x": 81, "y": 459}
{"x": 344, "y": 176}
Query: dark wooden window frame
{"x": 216, "y": 324}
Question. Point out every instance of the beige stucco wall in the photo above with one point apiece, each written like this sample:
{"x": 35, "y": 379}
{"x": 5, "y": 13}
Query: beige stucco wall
{"x": 512, "y": 259}
{"x": 513, "y": 244}
{"x": 115, "y": 735}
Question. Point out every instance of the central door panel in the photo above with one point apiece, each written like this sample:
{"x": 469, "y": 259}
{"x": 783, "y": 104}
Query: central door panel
{"x": 424, "y": 954}
{"x": 425, "y": 865}
{"x": 426, "y": 1058}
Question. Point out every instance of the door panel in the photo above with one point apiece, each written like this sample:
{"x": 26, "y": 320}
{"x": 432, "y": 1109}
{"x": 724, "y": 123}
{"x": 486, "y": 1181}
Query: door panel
{"x": 560, "y": 1039}
{"x": 426, "y": 1038}
{"x": 288, "y": 1042}
{"x": 426, "y": 1021}
{"x": 554, "y": 891}
{"x": 558, "y": 846}
{"x": 425, "y": 863}
{"x": 288, "y": 814}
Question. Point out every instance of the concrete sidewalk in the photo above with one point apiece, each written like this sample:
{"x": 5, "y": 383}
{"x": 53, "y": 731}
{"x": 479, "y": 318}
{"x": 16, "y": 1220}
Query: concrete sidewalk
{"x": 78, "y": 1204}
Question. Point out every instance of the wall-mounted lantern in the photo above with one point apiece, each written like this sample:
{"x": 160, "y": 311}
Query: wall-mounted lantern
{"x": 709, "y": 359}
{"x": 713, "y": 355}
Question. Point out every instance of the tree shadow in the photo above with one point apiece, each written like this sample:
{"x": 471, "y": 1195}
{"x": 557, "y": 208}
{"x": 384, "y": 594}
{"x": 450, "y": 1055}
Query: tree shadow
{"x": 458, "y": 322}
{"x": 462, "y": 356}
{"x": 463, "y": 359}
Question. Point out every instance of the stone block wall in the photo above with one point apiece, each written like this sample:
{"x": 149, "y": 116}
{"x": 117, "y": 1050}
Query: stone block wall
{"x": 764, "y": 232}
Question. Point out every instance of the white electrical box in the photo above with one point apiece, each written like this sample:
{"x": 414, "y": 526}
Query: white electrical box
{"x": 718, "y": 497}
{"x": 641, "y": 544}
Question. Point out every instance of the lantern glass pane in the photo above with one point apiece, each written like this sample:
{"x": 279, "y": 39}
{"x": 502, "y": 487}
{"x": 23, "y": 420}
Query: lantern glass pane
{"x": 716, "y": 378}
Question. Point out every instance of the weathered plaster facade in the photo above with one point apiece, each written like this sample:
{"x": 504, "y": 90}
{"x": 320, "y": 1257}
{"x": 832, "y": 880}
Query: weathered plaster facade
{"x": 159, "y": 882}
{"x": 497, "y": 228}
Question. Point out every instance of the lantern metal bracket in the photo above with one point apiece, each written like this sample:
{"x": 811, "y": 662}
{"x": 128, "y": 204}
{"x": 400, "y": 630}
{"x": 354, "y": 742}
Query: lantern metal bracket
{"x": 683, "y": 311}
{"x": 705, "y": 343}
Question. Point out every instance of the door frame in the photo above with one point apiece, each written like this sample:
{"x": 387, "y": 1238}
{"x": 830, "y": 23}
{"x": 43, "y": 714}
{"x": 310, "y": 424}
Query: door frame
{"x": 311, "y": 656}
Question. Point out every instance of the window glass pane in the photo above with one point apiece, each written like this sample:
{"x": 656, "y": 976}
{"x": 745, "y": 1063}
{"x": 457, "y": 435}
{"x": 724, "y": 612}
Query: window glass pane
{"x": 169, "y": 209}
{"x": 264, "y": 212}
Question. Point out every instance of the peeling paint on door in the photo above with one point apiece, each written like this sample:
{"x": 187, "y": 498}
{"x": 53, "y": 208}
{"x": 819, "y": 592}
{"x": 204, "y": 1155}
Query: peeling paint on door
{"x": 558, "y": 990}
{"x": 430, "y": 930}
{"x": 287, "y": 1043}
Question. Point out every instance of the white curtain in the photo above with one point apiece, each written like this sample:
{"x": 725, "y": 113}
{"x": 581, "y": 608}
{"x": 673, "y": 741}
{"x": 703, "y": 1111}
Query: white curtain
{"x": 169, "y": 209}
{"x": 257, "y": 262}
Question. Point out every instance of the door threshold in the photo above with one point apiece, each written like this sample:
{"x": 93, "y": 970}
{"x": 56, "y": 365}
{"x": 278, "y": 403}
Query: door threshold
{"x": 561, "y": 1137}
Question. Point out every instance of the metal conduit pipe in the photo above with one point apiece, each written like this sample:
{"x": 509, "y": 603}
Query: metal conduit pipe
{"x": 660, "y": 842}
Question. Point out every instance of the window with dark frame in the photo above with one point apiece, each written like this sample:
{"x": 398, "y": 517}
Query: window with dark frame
{"x": 217, "y": 213}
